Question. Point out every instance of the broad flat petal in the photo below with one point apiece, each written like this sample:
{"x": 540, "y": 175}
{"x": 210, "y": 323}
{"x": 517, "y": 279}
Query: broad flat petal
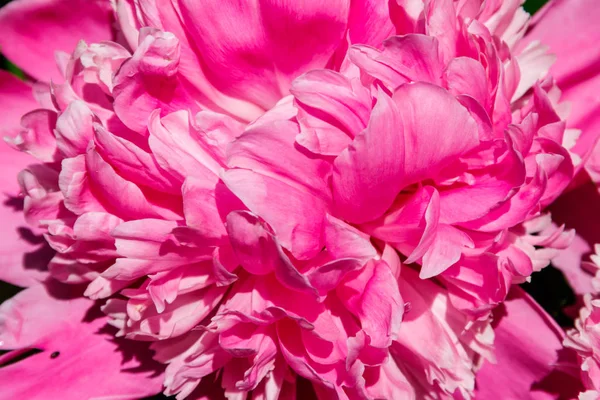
{"x": 33, "y": 30}
{"x": 74, "y": 340}
{"x": 528, "y": 348}
{"x": 569, "y": 28}
{"x": 16, "y": 100}
{"x": 23, "y": 257}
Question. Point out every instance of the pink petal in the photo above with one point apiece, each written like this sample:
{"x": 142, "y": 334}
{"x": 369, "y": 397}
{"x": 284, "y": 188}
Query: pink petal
{"x": 372, "y": 295}
{"x": 36, "y": 136}
{"x": 259, "y": 253}
{"x": 134, "y": 163}
{"x": 74, "y": 129}
{"x": 528, "y": 352}
{"x": 75, "y": 341}
{"x": 149, "y": 81}
{"x": 34, "y": 30}
{"x": 403, "y": 59}
{"x": 23, "y": 257}
{"x": 290, "y": 192}
{"x": 370, "y": 22}
{"x": 427, "y": 321}
{"x": 283, "y": 38}
{"x": 569, "y": 28}
{"x": 516, "y": 209}
{"x": 16, "y": 99}
{"x": 367, "y": 175}
{"x": 345, "y": 241}
{"x": 378, "y": 162}
{"x": 445, "y": 250}
{"x": 332, "y": 110}
{"x": 490, "y": 187}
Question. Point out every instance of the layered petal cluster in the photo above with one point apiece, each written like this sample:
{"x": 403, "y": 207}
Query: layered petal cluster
{"x": 585, "y": 338}
{"x": 299, "y": 196}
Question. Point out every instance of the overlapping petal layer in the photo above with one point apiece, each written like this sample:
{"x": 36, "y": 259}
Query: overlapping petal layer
{"x": 360, "y": 181}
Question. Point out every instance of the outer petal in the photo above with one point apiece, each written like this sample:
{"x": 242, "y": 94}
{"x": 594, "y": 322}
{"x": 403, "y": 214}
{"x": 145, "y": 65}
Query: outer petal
{"x": 276, "y": 179}
{"x": 23, "y": 257}
{"x": 528, "y": 344}
{"x": 33, "y": 30}
{"x": 16, "y": 99}
{"x": 78, "y": 351}
{"x": 570, "y": 29}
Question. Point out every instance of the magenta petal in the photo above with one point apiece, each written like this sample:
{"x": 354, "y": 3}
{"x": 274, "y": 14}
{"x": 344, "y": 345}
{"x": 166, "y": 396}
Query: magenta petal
{"x": 16, "y": 99}
{"x": 281, "y": 40}
{"x": 23, "y": 254}
{"x": 570, "y": 29}
{"x": 367, "y": 175}
{"x": 78, "y": 350}
{"x": 529, "y": 355}
{"x": 32, "y": 31}
{"x": 23, "y": 259}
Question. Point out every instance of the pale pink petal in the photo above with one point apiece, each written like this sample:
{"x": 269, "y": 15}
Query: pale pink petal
{"x": 149, "y": 81}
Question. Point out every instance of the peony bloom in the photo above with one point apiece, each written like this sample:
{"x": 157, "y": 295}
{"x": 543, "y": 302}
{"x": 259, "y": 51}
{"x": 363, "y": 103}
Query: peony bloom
{"x": 331, "y": 199}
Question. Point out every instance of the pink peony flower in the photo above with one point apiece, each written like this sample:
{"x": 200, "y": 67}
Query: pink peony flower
{"x": 331, "y": 198}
